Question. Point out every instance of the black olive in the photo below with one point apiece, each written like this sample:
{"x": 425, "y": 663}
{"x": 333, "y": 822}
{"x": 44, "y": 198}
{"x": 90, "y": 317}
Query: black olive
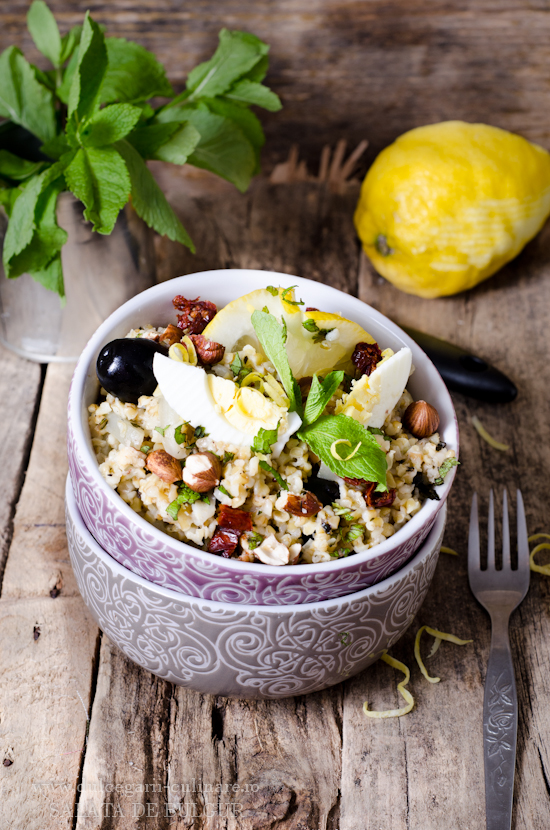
{"x": 326, "y": 491}
{"x": 125, "y": 367}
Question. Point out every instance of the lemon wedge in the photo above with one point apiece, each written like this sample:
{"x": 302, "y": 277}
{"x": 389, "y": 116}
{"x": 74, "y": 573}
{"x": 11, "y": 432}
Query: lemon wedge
{"x": 228, "y": 413}
{"x": 317, "y": 341}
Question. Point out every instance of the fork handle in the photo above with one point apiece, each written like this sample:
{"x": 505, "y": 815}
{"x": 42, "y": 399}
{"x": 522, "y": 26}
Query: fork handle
{"x": 500, "y": 723}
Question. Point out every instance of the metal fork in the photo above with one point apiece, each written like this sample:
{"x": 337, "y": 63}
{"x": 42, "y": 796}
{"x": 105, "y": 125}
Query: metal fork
{"x": 500, "y": 592}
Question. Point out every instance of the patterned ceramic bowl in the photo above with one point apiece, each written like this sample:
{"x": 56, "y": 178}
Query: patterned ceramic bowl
{"x": 247, "y": 651}
{"x": 173, "y": 564}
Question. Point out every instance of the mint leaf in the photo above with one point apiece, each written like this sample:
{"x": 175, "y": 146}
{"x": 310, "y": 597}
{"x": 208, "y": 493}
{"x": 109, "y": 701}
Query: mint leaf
{"x": 240, "y": 115}
{"x": 272, "y": 290}
{"x": 320, "y": 394}
{"x": 268, "y": 469}
{"x": 22, "y": 98}
{"x": 22, "y": 225}
{"x": 250, "y": 92}
{"x": 264, "y": 439}
{"x": 227, "y": 457}
{"x": 64, "y": 89}
{"x": 91, "y": 65}
{"x": 56, "y": 147}
{"x": 447, "y": 465}
{"x": 69, "y": 42}
{"x": 223, "y": 148}
{"x": 13, "y": 167}
{"x": 99, "y": 178}
{"x": 254, "y": 539}
{"x": 173, "y": 509}
{"x": 51, "y": 277}
{"x": 222, "y": 489}
{"x": 368, "y": 461}
{"x": 43, "y": 28}
{"x": 8, "y": 197}
{"x": 134, "y": 74}
{"x": 47, "y": 239}
{"x": 148, "y": 199}
{"x": 149, "y": 138}
{"x": 270, "y": 335}
{"x": 237, "y": 54}
{"x": 109, "y": 124}
{"x": 179, "y": 147}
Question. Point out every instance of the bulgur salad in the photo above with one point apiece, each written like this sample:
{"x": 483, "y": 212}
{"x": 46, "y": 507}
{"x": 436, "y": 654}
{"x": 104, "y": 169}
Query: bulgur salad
{"x": 267, "y": 431}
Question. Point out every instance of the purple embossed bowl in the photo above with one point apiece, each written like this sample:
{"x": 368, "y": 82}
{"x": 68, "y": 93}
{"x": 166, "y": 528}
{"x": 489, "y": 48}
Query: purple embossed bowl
{"x": 154, "y": 555}
{"x": 246, "y": 651}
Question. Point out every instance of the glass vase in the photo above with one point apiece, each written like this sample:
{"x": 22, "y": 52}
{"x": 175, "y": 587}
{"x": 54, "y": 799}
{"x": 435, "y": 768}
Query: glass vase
{"x": 100, "y": 272}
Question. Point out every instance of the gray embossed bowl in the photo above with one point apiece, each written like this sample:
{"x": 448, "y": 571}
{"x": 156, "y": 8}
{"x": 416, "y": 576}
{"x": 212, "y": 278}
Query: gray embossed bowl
{"x": 247, "y": 651}
{"x": 154, "y": 555}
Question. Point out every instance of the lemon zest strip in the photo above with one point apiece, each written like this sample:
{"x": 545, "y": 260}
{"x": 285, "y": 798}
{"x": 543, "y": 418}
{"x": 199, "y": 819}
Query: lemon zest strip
{"x": 539, "y": 569}
{"x": 191, "y": 351}
{"x": 439, "y": 635}
{"x": 343, "y": 441}
{"x": 275, "y": 391}
{"x": 178, "y": 353}
{"x": 538, "y": 536}
{"x": 394, "y": 713}
{"x": 252, "y": 379}
{"x": 482, "y": 432}
{"x": 443, "y": 549}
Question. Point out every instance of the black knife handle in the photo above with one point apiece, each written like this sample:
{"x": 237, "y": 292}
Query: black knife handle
{"x": 464, "y": 372}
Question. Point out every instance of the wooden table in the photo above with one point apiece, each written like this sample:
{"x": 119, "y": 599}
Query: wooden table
{"x": 90, "y": 741}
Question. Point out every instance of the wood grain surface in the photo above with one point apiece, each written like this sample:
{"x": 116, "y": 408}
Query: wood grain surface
{"x": 154, "y": 755}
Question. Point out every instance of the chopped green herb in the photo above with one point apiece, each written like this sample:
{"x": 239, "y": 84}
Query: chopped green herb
{"x": 264, "y": 439}
{"x": 285, "y": 333}
{"x": 265, "y": 309}
{"x": 186, "y": 495}
{"x": 444, "y": 469}
{"x": 254, "y": 539}
{"x": 173, "y": 509}
{"x": 377, "y": 431}
{"x": 290, "y": 302}
{"x": 162, "y": 430}
{"x": 320, "y": 334}
{"x": 342, "y": 511}
{"x": 426, "y": 490}
{"x": 200, "y": 432}
{"x": 344, "y": 552}
{"x": 181, "y": 437}
{"x": 103, "y": 423}
{"x": 222, "y": 489}
{"x": 334, "y": 553}
{"x": 345, "y": 638}
{"x": 272, "y": 290}
{"x": 440, "y": 446}
{"x": 239, "y": 369}
{"x": 227, "y": 457}
{"x": 355, "y": 532}
{"x": 147, "y": 447}
{"x": 280, "y": 481}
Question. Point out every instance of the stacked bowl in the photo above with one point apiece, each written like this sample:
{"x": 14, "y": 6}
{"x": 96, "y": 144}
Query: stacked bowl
{"x": 223, "y": 626}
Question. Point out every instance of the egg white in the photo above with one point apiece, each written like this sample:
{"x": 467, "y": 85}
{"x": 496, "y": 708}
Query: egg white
{"x": 187, "y": 390}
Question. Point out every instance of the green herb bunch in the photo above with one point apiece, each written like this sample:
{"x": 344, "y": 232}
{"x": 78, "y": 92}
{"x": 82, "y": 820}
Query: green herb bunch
{"x": 93, "y": 130}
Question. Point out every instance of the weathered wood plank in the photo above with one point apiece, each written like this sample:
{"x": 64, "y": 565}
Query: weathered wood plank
{"x": 349, "y": 69}
{"x": 38, "y": 561}
{"x": 20, "y": 386}
{"x": 47, "y": 649}
{"x": 156, "y": 750}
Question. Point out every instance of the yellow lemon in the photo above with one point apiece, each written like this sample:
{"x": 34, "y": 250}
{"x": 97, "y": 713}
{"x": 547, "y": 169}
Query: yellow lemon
{"x": 447, "y": 205}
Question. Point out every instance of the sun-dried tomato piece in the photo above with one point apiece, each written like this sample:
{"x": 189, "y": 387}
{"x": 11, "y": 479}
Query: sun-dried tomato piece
{"x": 372, "y": 499}
{"x": 195, "y": 314}
{"x": 234, "y": 518}
{"x": 365, "y": 357}
{"x": 208, "y": 351}
{"x": 224, "y": 542}
{"x": 309, "y": 308}
{"x": 305, "y": 505}
{"x": 381, "y": 499}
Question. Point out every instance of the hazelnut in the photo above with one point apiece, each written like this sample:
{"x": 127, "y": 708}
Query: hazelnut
{"x": 305, "y": 505}
{"x": 202, "y": 471}
{"x": 164, "y": 465}
{"x": 421, "y": 419}
{"x": 208, "y": 351}
{"x": 170, "y": 335}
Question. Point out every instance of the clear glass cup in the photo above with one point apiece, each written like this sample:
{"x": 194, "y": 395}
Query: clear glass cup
{"x": 101, "y": 272}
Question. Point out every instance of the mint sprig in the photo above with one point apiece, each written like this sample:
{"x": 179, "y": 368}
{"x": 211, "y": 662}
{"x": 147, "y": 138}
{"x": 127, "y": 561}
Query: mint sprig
{"x": 320, "y": 394}
{"x": 271, "y": 336}
{"x": 95, "y": 127}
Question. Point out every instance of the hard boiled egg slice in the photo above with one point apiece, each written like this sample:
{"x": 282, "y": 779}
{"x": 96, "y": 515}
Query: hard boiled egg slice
{"x": 228, "y": 413}
{"x": 373, "y": 397}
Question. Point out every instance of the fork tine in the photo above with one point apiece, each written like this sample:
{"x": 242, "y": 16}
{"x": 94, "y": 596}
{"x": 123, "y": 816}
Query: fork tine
{"x": 473, "y": 538}
{"x": 506, "y": 563}
{"x": 491, "y": 533}
{"x": 523, "y": 544}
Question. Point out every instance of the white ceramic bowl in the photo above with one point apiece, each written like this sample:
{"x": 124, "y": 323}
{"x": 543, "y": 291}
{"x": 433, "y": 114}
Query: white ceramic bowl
{"x": 247, "y": 651}
{"x": 161, "y": 559}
